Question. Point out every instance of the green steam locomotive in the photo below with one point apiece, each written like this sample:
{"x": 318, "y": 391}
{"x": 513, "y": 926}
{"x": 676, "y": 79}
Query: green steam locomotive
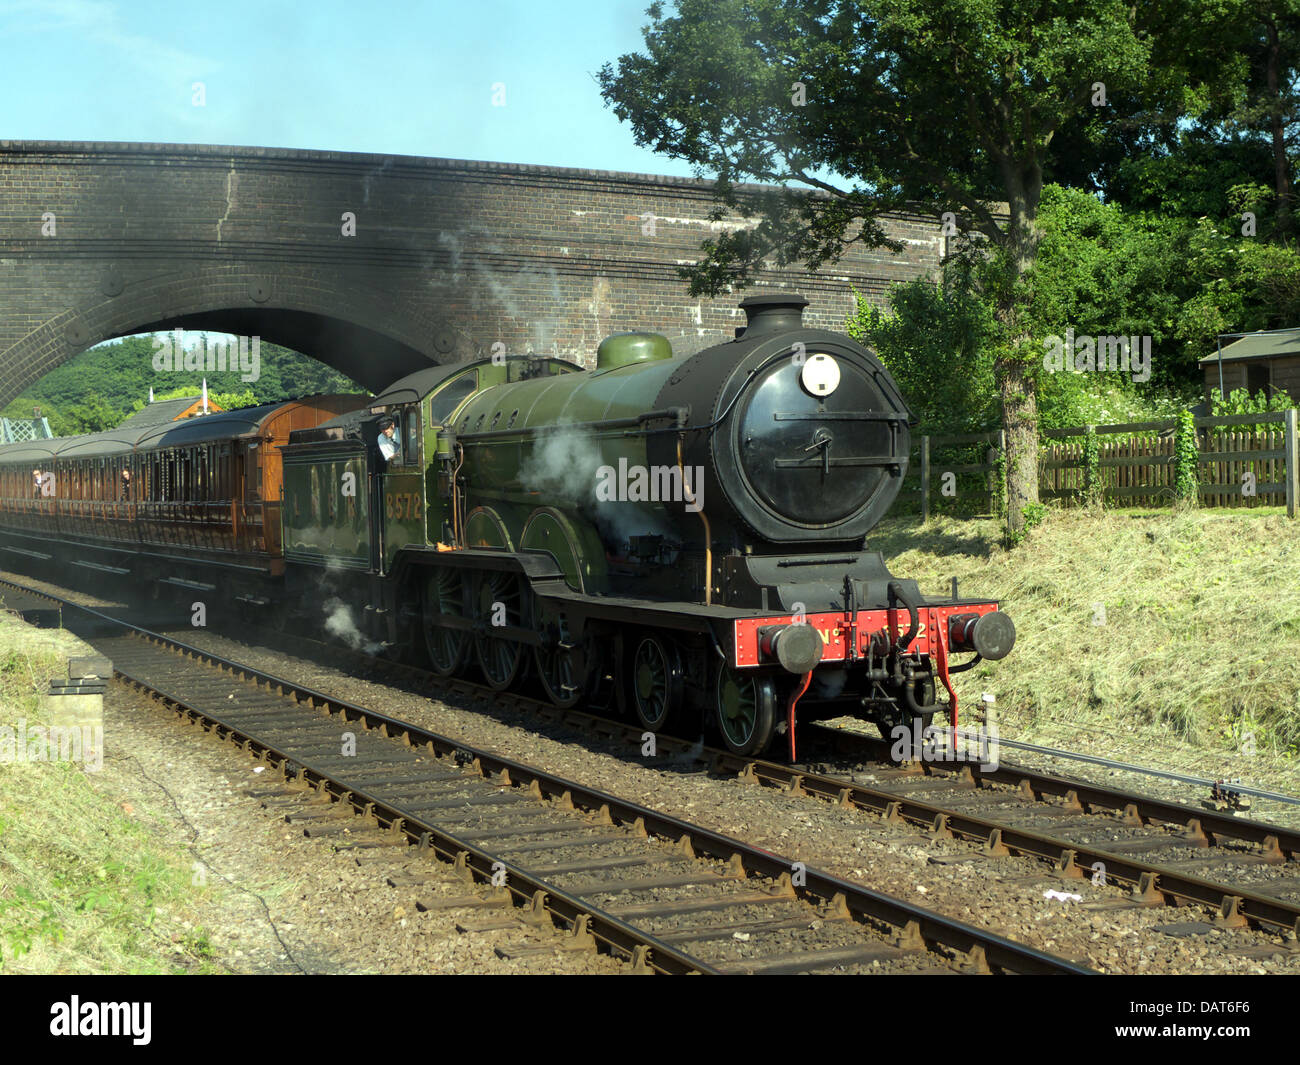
{"x": 683, "y": 539}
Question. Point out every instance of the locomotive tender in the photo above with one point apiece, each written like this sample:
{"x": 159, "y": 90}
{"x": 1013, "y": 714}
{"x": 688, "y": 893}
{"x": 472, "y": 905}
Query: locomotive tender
{"x": 682, "y": 538}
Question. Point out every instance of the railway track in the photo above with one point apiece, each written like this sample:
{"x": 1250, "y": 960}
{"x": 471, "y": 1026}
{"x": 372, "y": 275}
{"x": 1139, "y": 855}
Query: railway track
{"x": 666, "y": 895}
{"x": 1165, "y": 852}
{"x": 1157, "y": 852}
{"x": 1151, "y": 849}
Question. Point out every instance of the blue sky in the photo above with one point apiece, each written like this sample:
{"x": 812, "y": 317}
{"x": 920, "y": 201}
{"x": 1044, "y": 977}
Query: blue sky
{"x": 403, "y": 78}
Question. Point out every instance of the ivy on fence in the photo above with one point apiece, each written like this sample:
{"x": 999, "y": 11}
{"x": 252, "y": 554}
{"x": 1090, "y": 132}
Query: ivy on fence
{"x": 1187, "y": 457}
{"x": 1143, "y": 463}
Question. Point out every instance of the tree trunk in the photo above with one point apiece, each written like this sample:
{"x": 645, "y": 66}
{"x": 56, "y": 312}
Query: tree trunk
{"x": 1276, "y": 105}
{"x": 1016, "y": 379}
{"x": 1018, "y": 394}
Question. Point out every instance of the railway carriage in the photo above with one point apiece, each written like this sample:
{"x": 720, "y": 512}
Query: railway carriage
{"x": 200, "y": 509}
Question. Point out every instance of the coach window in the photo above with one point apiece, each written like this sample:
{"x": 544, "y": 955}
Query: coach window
{"x": 253, "y": 473}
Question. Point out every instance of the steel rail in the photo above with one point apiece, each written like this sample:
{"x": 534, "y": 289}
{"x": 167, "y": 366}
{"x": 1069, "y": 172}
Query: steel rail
{"x": 1129, "y": 767}
{"x": 1273, "y": 837}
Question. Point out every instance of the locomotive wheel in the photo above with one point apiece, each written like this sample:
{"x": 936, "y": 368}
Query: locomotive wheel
{"x": 746, "y": 710}
{"x": 558, "y": 667}
{"x": 656, "y": 682}
{"x": 444, "y": 593}
{"x": 500, "y": 599}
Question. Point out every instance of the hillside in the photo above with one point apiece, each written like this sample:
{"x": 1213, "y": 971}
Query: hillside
{"x": 100, "y": 387}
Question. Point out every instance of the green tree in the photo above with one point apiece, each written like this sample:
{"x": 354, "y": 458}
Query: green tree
{"x": 1236, "y": 284}
{"x": 92, "y": 415}
{"x": 1100, "y": 271}
{"x": 946, "y": 106}
{"x": 936, "y": 338}
{"x": 1267, "y": 103}
{"x": 121, "y": 372}
{"x": 1231, "y": 67}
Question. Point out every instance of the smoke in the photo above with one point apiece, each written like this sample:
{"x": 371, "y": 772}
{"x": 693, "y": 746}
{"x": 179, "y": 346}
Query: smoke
{"x": 563, "y": 463}
{"x": 566, "y": 463}
{"x": 513, "y": 292}
{"x": 828, "y": 683}
{"x": 620, "y": 521}
{"x": 339, "y": 623}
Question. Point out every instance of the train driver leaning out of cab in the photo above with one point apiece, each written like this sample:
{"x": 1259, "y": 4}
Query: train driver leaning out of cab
{"x": 390, "y": 445}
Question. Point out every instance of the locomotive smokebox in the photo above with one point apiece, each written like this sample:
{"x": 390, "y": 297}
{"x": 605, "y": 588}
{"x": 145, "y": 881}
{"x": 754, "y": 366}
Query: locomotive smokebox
{"x": 773, "y": 312}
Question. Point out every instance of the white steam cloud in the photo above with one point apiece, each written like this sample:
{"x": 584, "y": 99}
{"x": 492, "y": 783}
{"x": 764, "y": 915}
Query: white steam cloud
{"x": 563, "y": 463}
{"x": 339, "y": 623}
{"x": 567, "y": 463}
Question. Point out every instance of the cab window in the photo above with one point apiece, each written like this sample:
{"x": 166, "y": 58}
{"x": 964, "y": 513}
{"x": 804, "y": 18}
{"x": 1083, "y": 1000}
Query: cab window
{"x": 411, "y": 438}
{"x": 444, "y": 404}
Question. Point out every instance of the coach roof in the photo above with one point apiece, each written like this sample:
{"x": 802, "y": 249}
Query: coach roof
{"x": 130, "y": 437}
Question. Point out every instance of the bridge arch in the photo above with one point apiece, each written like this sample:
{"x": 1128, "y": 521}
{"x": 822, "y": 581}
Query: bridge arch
{"x": 355, "y": 328}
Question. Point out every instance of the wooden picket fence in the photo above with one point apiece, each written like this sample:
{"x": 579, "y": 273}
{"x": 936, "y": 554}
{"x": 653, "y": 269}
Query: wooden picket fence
{"x": 1240, "y": 465}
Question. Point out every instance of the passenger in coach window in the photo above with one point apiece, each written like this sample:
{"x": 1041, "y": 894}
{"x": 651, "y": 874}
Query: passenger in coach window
{"x": 126, "y": 486}
{"x": 36, "y": 483}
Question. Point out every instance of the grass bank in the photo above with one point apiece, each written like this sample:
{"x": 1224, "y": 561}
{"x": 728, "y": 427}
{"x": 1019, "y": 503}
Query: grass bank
{"x": 82, "y": 879}
{"x": 1183, "y": 625}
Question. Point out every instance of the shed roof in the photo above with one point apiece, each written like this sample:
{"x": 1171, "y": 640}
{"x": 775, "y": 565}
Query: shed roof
{"x": 167, "y": 410}
{"x": 1272, "y": 345}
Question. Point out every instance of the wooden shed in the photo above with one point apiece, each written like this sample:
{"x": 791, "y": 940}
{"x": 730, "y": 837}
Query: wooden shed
{"x": 1258, "y": 362}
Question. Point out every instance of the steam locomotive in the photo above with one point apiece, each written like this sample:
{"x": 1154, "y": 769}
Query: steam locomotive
{"x": 683, "y": 539}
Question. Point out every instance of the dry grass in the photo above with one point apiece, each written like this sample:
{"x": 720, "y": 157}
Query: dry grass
{"x": 1184, "y": 624}
{"x": 82, "y": 880}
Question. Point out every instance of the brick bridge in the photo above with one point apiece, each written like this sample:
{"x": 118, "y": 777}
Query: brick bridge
{"x": 448, "y": 256}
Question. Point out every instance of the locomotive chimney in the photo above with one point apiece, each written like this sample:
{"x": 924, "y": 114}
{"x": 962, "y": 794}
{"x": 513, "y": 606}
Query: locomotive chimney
{"x": 772, "y": 312}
